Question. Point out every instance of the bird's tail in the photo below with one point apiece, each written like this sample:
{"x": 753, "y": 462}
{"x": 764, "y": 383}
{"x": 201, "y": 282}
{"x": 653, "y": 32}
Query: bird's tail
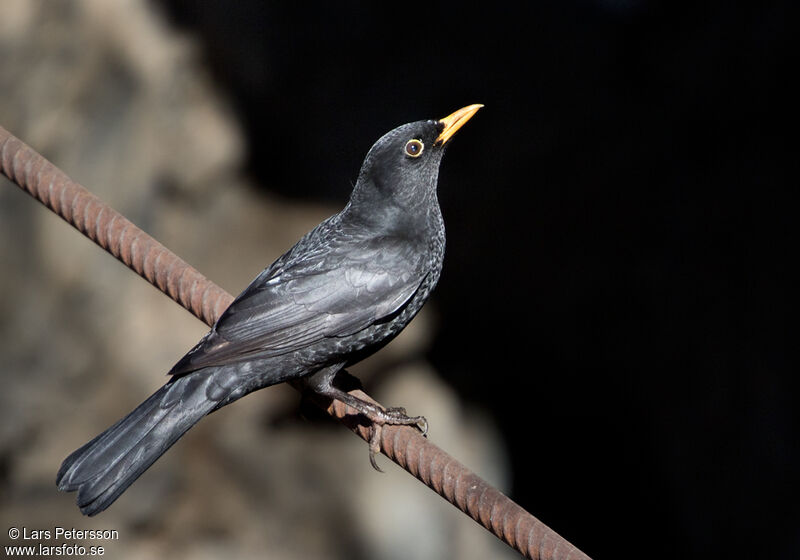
{"x": 102, "y": 469}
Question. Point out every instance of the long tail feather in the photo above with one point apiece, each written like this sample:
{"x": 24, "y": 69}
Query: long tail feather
{"x": 102, "y": 469}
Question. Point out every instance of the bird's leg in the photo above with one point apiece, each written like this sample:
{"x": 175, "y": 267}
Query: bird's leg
{"x": 321, "y": 383}
{"x": 379, "y": 417}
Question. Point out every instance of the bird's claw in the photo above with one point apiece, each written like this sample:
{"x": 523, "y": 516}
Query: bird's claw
{"x": 399, "y": 413}
{"x": 398, "y": 416}
{"x": 395, "y": 417}
{"x": 422, "y": 425}
{"x": 375, "y": 446}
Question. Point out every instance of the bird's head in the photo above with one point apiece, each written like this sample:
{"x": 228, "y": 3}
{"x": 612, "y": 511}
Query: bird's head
{"x": 401, "y": 169}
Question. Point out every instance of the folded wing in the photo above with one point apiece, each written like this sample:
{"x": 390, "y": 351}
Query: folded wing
{"x": 296, "y": 303}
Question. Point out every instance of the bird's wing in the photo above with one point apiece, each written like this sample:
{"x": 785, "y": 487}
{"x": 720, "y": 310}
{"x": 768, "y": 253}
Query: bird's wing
{"x": 326, "y": 293}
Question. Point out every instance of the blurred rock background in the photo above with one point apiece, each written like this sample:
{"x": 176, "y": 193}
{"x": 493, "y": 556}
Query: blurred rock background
{"x": 120, "y": 99}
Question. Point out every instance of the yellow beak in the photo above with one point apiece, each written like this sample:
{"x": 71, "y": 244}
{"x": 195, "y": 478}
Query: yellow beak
{"x": 455, "y": 121}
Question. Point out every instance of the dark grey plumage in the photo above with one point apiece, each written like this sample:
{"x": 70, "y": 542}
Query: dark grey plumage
{"x": 344, "y": 290}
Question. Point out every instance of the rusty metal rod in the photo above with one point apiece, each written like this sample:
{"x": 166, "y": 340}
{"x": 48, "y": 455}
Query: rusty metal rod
{"x": 111, "y": 230}
{"x": 170, "y": 274}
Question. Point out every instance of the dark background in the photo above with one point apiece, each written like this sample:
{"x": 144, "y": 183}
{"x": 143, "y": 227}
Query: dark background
{"x": 616, "y": 284}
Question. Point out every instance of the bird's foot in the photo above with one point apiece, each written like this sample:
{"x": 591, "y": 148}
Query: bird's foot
{"x": 396, "y": 416}
{"x": 376, "y": 414}
{"x": 380, "y": 417}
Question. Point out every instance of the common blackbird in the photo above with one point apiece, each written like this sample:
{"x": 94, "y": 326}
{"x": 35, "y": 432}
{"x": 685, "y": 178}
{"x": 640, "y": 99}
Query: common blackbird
{"x": 342, "y": 292}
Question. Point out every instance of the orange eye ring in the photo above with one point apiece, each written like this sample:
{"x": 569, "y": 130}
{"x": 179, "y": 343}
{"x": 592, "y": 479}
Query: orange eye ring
{"x": 414, "y": 147}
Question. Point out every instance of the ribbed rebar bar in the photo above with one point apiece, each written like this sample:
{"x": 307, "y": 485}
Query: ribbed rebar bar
{"x": 111, "y": 230}
{"x": 173, "y": 276}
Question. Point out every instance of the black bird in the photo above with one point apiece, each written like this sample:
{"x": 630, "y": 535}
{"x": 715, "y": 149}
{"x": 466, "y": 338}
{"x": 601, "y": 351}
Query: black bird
{"x": 342, "y": 292}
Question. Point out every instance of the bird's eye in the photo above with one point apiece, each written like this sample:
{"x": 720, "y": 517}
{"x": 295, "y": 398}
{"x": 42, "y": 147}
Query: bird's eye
{"x": 414, "y": 148}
